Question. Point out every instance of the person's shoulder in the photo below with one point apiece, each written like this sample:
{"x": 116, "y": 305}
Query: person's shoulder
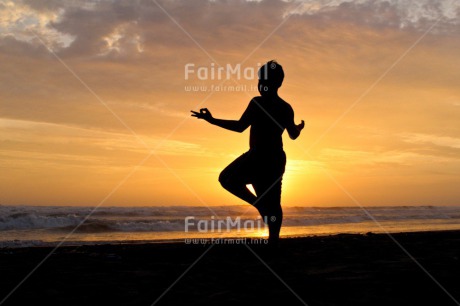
{"x": 286, "y": 105}
{"x": 256, "y": 99}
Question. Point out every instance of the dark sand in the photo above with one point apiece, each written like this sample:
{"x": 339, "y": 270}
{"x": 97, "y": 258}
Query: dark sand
{"x": 333, "y": 270}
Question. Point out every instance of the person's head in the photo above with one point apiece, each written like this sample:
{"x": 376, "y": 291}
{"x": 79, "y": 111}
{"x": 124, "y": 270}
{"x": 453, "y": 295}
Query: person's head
{"x": 271, "y": 76}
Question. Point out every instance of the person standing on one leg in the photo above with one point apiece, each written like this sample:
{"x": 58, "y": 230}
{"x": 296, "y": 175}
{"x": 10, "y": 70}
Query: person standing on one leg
{"x": 263, "y": 165}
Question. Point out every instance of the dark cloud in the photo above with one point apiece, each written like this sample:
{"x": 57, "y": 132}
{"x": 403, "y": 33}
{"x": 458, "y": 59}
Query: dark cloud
{"x": 127, "y": 50}
{"x": 218, "y": 26}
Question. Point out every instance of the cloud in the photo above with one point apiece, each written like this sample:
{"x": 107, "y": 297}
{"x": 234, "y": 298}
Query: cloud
{"x": 26, "y": 24}
{"x": 132, "y": 52}
{"x": 392, "y": 13}
{"x": 121, "y": 27}
{"x": 381, "y": 163}
{"x": 80, "y": 141}
{"x": 436, "y": 140}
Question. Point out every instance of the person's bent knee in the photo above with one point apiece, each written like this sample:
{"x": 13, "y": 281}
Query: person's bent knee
{"x": 223, "y": 179}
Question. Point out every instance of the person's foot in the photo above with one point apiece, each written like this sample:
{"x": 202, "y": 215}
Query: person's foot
{"x": 271, "y": 250}
{"x": 273, "y": 241}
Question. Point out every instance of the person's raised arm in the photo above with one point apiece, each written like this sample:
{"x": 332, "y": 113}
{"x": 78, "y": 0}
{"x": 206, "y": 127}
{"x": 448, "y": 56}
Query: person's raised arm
{"x": 292, "y": 128}
{"x": 232, "y": 125}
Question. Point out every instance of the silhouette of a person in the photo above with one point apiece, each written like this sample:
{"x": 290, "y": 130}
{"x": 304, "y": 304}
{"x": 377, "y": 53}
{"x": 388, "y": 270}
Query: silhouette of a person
{"x": 264, "y": 164}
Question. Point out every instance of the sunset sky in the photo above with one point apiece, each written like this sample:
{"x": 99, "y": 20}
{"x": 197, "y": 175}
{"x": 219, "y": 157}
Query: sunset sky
{"x": 94, "y": 100}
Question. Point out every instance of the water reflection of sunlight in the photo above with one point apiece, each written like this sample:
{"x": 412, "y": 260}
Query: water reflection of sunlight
{"x": 259, "y": 233}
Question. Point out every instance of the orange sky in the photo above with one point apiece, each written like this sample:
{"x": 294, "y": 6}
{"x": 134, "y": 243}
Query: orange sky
{"x": 94, "y": 106}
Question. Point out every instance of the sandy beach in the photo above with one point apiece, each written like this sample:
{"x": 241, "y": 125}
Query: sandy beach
{"x": 345, "y": 269}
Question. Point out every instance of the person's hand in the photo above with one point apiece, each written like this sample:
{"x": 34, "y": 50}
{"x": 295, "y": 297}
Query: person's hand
{"x": 203, "y": 114}
{"x": 300, "y": 126}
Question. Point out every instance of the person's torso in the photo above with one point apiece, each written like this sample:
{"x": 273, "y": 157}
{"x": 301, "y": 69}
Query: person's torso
{"x": 268, "y": 123}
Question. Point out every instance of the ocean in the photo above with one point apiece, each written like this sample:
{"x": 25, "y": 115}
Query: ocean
{"x": 23, "y": 226}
